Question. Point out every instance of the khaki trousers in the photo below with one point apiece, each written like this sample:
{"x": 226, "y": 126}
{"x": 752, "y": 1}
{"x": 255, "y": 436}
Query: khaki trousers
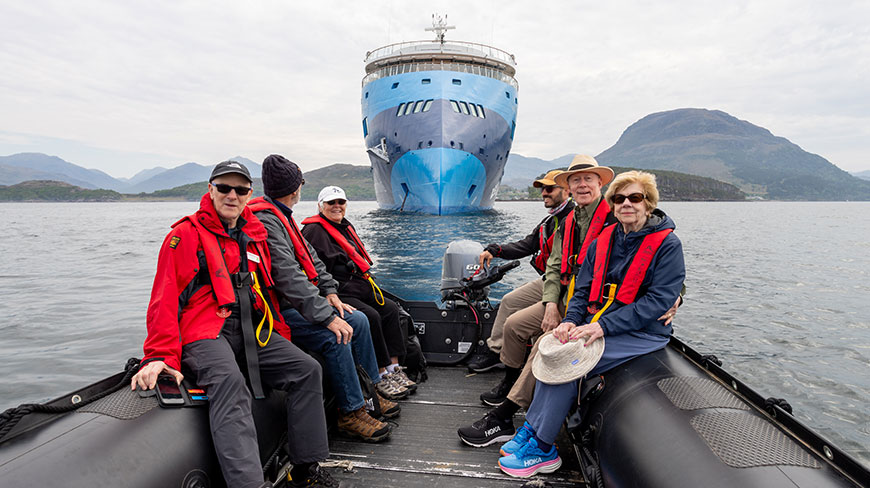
{"x": 524, "y": 389}
{"x": 516, "y": 300}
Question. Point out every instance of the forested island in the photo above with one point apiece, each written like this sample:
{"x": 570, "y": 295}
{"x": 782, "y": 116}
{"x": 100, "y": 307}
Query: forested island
{"x": 356, "y": 181}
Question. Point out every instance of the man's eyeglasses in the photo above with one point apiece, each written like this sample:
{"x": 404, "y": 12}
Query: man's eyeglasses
{"x": 336, "y": 202}
{"x": 633, "y": 198}
{"x": 548, "y": 188}
{"x": 225, "y": 189}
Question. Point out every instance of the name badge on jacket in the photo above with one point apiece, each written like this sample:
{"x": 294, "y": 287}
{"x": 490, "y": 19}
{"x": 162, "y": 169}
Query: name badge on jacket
{"x": 253, "y": 257}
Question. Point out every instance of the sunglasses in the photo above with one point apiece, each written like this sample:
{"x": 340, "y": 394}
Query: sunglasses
{"x": 633, "y": 198}
{"x": 336, "y": 202}
{"x": 548, "y": 188}
{"x": 225, "y": 189}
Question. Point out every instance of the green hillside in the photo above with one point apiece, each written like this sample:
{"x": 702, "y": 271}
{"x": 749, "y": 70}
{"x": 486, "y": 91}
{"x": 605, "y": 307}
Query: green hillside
{"x": 54, "y": 191}
{"x": 673, "y": 186}
{"x": 355, "y": 180}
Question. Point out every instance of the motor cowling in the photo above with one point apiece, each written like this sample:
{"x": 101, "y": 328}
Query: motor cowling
{"x": 461, "y": 261}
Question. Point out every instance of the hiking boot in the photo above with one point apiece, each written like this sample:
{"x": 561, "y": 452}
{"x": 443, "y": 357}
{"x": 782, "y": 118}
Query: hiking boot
{"x": 497, "y": 395}
{"x": 488, "y": 430}
{"x": 361, "y": 425}
{"x": 518, "y": 441}
{"x": 530, "y": 460}
{"x": 488, "y": 362}
{"x": 389, "y": 410}
{"x": 317, "y": 478}
{"x": 402, "y": 379}
{"x": 391, "y": 390}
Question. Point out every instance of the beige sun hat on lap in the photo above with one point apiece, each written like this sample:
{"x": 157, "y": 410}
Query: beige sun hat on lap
{"x": 558, "y": 363}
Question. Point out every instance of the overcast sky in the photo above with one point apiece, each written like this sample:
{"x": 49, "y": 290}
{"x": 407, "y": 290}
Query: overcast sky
{"x": 122, "y": 86}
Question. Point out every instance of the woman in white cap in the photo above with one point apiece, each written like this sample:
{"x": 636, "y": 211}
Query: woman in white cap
{"x": 339, "y": 247}
{"x": 631, "y": 276}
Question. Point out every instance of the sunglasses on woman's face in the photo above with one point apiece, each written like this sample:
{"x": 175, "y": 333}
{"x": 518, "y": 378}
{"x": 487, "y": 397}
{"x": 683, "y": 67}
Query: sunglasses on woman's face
{"x": 336, "y": 202}
{"x": 225, "y": 189}
{"x": 633, "y": 198}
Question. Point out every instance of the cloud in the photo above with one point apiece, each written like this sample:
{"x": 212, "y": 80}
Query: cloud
{"x": 197, "y": 81}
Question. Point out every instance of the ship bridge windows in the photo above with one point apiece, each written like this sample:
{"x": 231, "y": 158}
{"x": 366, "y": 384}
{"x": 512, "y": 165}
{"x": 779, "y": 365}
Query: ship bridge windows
{"x": 468, "y": 108}
{"x": 426, "y": 81}
{"x": 407, "y": 108}
{"x": 365, "y": 127}
{"x": 457, "y": 82}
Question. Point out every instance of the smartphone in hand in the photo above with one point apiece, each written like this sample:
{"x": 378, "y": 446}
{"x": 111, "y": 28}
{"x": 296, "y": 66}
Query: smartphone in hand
{"x": 168, "y": 391}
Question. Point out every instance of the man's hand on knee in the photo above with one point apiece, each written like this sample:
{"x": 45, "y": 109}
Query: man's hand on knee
{"x": 552, "y": 317}
{"x": 342, "y": 330}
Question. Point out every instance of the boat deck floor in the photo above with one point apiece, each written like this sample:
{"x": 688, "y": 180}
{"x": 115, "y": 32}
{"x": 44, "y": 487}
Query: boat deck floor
{"x": 424, "y": 450}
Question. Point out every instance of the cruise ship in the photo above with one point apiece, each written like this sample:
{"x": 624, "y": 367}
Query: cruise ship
{"x": 438, "y": 119}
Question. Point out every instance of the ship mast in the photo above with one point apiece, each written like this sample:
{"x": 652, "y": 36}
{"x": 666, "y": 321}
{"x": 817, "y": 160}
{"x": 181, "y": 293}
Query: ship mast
{"x": 439, "y": 27}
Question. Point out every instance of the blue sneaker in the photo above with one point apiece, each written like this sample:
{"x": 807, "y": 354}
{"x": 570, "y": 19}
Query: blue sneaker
{"x": 530, "y": 460}
{"x": 519, "y": 440}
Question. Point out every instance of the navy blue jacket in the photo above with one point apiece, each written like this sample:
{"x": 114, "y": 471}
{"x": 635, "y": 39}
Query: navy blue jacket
{"x": 660, "y": 289}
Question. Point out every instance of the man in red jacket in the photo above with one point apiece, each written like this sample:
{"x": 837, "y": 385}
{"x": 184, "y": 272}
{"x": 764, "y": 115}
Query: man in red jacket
{"x": 210, "y": 292}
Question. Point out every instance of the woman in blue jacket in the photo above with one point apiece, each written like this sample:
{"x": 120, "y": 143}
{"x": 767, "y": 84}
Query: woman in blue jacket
{"x": 631, "y": 276}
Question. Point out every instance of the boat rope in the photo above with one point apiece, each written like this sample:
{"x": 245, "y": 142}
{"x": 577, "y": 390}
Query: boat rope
{"x": 779, "y": 402}
{"x": 711, "y": 358}
{"x": 10, "y": 418}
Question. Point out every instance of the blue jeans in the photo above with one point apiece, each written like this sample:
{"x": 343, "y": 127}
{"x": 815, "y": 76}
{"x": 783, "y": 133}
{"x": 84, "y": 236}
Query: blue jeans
{"x": 552, "y": 403}
{"x": 341, "y": 359}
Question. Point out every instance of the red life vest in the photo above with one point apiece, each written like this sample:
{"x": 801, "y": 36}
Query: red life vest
{"x": 545, "y": 246}
{"x": 300, "y": 248}
{"x": 569, "y": 259}
{"x": 359, "y": 256}
{"x": 627, "y": 290}
{"x": 219, "y": 276}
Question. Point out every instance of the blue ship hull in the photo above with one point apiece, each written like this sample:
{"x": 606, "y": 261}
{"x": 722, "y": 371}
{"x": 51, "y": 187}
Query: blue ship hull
{"x": 438, "y": 161}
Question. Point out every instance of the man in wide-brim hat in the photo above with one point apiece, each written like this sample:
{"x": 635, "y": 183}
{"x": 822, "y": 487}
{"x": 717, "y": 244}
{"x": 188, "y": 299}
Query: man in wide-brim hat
{"x": 584, "y": 178}
{"x": 584, "y": 164}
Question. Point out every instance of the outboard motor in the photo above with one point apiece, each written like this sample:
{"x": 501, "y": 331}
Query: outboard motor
{"x": 460, "y": 262}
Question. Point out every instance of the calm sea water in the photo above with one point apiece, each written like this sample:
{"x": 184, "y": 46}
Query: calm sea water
{"x": 778, "y": 291}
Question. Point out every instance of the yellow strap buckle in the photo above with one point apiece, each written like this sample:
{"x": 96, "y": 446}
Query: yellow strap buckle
{"x": 375, "y": 290}
{"x": 266, "y": 316}
{"x": 570, "y": 291}
{"x": 610, "y": 292}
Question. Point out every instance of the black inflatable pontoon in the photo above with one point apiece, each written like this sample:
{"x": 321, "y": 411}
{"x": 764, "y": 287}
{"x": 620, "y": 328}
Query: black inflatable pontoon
{"x": 672, "y": 418}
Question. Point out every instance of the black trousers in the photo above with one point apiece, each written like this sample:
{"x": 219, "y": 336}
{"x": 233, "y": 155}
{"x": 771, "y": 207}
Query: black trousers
{"x": 383, "y": 319}
{"x": 284, "y": 367}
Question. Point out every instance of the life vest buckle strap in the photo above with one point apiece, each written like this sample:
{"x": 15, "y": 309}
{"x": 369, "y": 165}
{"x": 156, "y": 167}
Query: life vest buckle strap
{"x": 240, "y": 280}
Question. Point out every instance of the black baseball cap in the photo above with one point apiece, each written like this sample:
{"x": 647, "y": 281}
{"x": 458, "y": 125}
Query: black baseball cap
{"x": 228, "y": 167}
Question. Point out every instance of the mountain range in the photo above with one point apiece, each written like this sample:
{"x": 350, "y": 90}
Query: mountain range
{"x": 715, "y": 144}
{"x": 708, "y": 143}
{"x": 36, "y": 166}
